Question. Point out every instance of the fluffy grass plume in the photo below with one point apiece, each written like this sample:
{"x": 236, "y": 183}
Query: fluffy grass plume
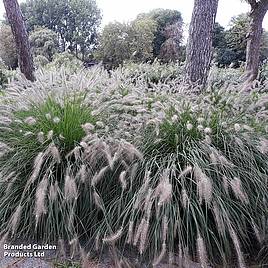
{"x": 121, "y": 159}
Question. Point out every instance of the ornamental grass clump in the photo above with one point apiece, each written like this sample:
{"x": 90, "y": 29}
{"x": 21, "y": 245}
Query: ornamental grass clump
{"x": 155, "y": 73}
{"x": 208, "y": 178}
{"x": 173, "y": 176}
{"x": 55, "y": 157}
{"x": 37, "y": 174}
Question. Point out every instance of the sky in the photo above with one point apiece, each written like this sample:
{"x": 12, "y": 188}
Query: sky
{"x": 126, "y": 10}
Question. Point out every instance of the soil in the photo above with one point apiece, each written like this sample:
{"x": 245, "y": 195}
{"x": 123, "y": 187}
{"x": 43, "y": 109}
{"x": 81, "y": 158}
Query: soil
{"x": 52, "y": 260}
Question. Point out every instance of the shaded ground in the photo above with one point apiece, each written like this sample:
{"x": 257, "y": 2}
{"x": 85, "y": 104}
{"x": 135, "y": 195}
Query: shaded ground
{"x": 51, "y": 256}
{"x": 24, "y": 263}
{"x": 8, "y": 262}
{"x": 38, "y": 263}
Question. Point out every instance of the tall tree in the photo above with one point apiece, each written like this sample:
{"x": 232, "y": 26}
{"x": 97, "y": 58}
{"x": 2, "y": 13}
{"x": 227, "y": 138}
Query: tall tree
{"x": 121, "y": 42}
{"x": 199, "y": 46}
{"x": 44, "y": 42}
{"x": 236, "y": 37}
{"x": 8, "y": 51}
{"x": 258, "y": 10}
{"x": 169, "y": 30}
{"x": 75, "y": 22}
{"x": 16, "y": 21}
{"x": 171, "y": 49}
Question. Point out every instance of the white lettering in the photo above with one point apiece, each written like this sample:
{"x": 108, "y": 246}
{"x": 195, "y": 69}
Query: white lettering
{"x": 6, "y": 254}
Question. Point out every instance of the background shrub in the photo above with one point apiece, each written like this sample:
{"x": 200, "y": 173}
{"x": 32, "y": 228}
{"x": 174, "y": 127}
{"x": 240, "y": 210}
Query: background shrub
{"x": 44, "y": 42}
{"x": 8, "y": 52}
{"x": 66, "y": 60}
{"x": 3, "y": 75}
{"x": 154, "y": 73}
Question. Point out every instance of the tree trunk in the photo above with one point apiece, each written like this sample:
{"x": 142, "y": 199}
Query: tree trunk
{"x": 258, "y": 11}
{"x": 16, "y": 21}
{"x": 199, "y": 46}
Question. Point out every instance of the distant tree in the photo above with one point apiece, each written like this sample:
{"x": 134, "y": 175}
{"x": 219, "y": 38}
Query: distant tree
{"x": 141, "y": 36}
{"x": 236, "y": 37}
{"x": 224, "y": 56}
{"x": 219, "y": 40}
{"x": 44, "y": 42}
{"x": 264, "y": 47}
{"x": 199, "y": 46}
{"x": 16, "y": 21}
{"x": 76, "y": 22}
{"x": 120, "y": 42}
{"x": 171, "y": 49}
{"x": 3, "y": 76}
{"x": 8, "y": 51}
{"x": 167, "y": 22}
{"x": 236, "y": 41}
{"x": 114, "y": 46}
{"x": 258, "y": 10}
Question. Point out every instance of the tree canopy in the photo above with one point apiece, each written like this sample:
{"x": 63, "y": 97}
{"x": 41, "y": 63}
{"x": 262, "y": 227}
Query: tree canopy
{"x": 8, "y": 51}
{"x": 157, "y": 34}
{"x": 75, "y": 22}
{"x": 231, "y": 44}
{"x": 164, "y": 18}
{"x": 44, "y": 42}
{"x": 120, "y": 42}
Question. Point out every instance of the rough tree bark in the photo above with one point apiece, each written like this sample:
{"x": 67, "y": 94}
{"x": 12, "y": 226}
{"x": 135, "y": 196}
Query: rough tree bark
{"x": 199, "y": 46}
{"x": 16, "y": 21}
{"x": 258, "y": 11}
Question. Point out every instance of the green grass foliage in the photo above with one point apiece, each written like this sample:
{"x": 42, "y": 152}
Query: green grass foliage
{"x": 98, "y": 157}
